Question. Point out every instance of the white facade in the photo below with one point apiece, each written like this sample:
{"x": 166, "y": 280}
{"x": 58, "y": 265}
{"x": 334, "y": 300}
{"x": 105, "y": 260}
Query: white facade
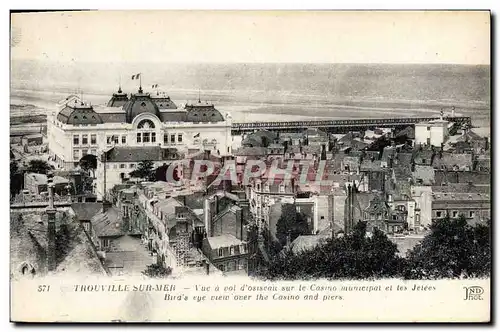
{"x": 68, "y": 143}
{"x": 422, "y": 195}
{"x": 432, "y": 133}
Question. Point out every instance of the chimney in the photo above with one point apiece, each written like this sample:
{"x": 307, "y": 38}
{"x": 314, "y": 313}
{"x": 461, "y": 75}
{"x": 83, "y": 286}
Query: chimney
{"x": 51, "y": 225}
{"x": 207, "y": 216}
{"x": 207, "y": 267}
{"x": 105, "y": 205}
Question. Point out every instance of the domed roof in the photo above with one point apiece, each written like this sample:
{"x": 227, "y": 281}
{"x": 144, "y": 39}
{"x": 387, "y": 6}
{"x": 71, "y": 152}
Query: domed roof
{"x": 118, "y": 99}
{"x": 78, "y": 113}
{"x": 140, "y": 103}
{"x": 203, "y": 112}
{"x": 163, "y": 101}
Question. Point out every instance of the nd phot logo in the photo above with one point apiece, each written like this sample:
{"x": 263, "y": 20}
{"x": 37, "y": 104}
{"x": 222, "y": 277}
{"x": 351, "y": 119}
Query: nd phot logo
{"x": 473, "y": 293}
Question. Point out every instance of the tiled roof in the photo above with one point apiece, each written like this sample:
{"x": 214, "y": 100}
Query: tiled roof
{"x": 108, "y": 223}
{"x": 85, "y": 211}
{"x": 451, "y": 160}
{"x": 142, "y": 153}
{"x": 453, "y": 196}
{"x": 424, "y": 173}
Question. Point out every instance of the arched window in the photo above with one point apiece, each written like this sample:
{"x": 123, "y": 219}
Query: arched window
{"x": 146, "y": 124}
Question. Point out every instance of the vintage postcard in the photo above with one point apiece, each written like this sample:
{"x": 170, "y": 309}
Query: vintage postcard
{"x": 250, "y": 166}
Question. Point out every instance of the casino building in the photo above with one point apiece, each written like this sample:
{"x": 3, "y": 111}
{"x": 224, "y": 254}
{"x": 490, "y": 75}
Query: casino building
{"x": 149, "y": 120}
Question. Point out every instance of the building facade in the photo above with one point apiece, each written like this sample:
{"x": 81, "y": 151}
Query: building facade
{"x": 78, "y": 128}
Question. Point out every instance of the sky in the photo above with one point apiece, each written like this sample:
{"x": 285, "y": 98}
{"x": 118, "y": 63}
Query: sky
{"x": 454, "y": 37}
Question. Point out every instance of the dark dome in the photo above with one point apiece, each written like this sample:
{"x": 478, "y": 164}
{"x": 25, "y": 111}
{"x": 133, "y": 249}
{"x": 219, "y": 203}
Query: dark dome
{"x": 201, "y": 112}
{"x": 163, "y": 102}
{"x": 118, "y": 99}
{"x": 79, "y": 114}
{"x": 140, "y": 103}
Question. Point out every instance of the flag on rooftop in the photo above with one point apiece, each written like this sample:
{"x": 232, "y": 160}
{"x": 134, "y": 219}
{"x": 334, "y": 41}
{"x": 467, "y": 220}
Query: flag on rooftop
{"x": 136, "y": 76}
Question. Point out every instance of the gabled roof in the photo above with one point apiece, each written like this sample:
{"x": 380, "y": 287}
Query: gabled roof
{"x": 108, "y": 223}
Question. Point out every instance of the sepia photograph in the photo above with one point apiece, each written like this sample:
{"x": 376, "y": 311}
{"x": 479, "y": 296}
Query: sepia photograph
{"x": 249, "y": 164}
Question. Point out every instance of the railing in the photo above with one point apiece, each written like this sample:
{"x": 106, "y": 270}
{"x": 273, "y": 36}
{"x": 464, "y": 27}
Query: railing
{"x": 350, "y": 122}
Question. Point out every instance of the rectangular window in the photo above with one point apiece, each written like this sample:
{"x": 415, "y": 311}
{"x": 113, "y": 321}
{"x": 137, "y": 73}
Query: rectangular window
{"x": 122, "y": 165}
{"x": 455, "y": 214}
{"x": 428, "y": 128}
{"x": 139, "y": 138}
{"x": 116, "y": 139}
{"x": 438, "y": 214}
{"x": 242, "y": 249}
{"x": 115, "y": 166}
{"x": 179, "y": 138}
{"x": 93, "y": 139}
{"x": 85, "y": 139}
{"x": 84, "y": 153}
{"x": 231, "y": 250}
{"x": 165, "y": 138}
{"x": 105, "y": 243}
{"x": 76, "y": 154}
{"x": 471, "y": 214}
{"x": 153, "y": 137}
{"x": 132, "y": 165}
{"x": 221, "y": 252}
{"x": 124, "y": 139}
{"x": 145, "y": 137}
{"x": 108, "y": 140}
{"x": 76, "y": 139}
{"x": 172, "y": 138}
{"x": 222, "y": 267}
{"x": 282, "y": 188}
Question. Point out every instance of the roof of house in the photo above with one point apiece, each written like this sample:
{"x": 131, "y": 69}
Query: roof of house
{"x": 307, "y": 242}
{"x": 85, "y": 211}
{"x": 453, "y": 196}
{"x": 450, "y": 160}
{"x": 82, "y": 259}
{"x": 142, "y": 153}
{"x": 371, "y": 165}
{"x": 108, "y": 223}
{"x": 313, "y": 149}
{"x": 224, "y": 240}
{"x": 424, "y": 173}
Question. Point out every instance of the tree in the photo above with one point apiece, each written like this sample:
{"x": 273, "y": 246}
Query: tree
{"x": 453, "y": 249}
{"x": 89, "y": 162}
{"x": 354, "y": 256}
{"x": 39, "y": 166}
{"x": 144, "y": 171}
{"x": 157, "y": 271}
{"x": 291, "y": 223}
{"x": 16, "y": 179}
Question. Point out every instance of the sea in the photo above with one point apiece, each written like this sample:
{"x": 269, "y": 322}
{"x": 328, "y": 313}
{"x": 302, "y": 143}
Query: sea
{"x": 267, "y": 92}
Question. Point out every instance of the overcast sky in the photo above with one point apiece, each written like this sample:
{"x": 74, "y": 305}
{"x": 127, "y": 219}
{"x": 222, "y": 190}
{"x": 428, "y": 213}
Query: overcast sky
{"x": 310, "y": 37}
